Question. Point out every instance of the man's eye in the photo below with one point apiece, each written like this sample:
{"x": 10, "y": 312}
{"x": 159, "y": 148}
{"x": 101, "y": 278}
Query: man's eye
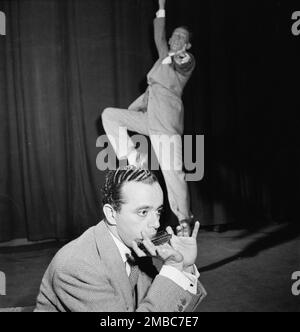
{"x": 143, "y": 213}
{"x": 159, "y": 212}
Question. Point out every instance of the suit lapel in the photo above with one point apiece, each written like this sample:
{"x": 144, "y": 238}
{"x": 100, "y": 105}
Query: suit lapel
{"x": 143, "y": 284}
{"x": 111, "y": 257}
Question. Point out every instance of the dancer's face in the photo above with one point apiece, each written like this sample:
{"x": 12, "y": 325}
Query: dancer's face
{"x": 179, "y": 40}
{"x": 140, "y": 211}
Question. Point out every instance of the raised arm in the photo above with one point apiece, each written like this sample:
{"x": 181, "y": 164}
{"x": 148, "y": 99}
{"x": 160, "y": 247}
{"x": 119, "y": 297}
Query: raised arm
{"x": 160, "y": 30}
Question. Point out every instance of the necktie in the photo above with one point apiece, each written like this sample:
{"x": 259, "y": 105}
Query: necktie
{"x": 133, "y": 278}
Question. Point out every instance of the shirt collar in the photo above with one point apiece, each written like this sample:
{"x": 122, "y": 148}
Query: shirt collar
{"x": 124, "y": 251}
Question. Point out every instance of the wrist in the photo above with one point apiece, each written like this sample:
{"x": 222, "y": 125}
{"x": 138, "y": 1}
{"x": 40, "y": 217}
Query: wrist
{"x": 161, "y": 12}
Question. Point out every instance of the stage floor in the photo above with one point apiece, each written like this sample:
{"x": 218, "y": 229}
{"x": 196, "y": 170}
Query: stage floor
{"x": 242, "y": 270}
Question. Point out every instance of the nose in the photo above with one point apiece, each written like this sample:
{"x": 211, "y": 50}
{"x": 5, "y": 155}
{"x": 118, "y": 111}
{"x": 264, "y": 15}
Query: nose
{"x": 154, "y": 222}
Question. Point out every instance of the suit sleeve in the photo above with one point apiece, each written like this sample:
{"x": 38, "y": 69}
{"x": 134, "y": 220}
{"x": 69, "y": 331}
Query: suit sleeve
{"x": 160, "y": 36}
{"x": 166, "y": 296}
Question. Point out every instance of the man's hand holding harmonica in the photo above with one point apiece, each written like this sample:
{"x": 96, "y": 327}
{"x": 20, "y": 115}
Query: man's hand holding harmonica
{"x": 186, "y": 245}
{"x": 164, "y": 252}
{"x": 180, "y": 253}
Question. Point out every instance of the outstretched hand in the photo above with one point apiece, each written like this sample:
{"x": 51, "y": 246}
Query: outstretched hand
{"x": 185, "y": 244}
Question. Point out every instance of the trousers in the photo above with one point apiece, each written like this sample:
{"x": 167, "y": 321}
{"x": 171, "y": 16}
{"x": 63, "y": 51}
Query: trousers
{"x": 168, "y": 156}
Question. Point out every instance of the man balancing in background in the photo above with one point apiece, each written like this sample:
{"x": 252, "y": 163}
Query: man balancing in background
{"x": 159, "y": 112}
{"x": 104, "y": 270}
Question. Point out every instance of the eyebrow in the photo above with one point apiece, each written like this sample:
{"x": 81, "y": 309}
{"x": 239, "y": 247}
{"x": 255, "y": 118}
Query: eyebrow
{"x": 145, "y": 207}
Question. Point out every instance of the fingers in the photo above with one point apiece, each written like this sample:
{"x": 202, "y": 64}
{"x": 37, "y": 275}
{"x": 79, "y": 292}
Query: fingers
{"x": 196, "y": 229}
{"x": 150, "y": 247}
{"x": 170, "y": 230}
{"x": 167, "y": 253}
{"x": 179, "y": 230}
{"x": 186, "y": 229}
{"x": 163, "y": 252}
{"x": 183, "y": 230}
{"x": 137, "y": 250}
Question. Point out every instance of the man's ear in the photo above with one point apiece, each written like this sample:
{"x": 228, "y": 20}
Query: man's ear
{"x": 110, "y": 214}
{"x": 188, "y": 46}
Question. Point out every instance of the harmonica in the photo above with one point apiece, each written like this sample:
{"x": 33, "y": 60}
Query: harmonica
{"x": 159, "y": 239}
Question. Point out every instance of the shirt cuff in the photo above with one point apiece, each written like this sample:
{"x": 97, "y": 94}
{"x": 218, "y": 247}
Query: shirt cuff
{"x": 185, "y": 280}
{"x": 161, "y": 13}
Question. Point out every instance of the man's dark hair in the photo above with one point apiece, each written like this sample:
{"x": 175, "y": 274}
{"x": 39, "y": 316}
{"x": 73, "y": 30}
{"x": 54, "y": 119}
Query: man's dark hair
{"x": 188, "y": 29}
{"x": 114, "y": 180}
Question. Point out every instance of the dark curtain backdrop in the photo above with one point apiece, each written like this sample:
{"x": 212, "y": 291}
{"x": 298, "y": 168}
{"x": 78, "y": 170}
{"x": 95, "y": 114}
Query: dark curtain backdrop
{"x": 63, "y": 62}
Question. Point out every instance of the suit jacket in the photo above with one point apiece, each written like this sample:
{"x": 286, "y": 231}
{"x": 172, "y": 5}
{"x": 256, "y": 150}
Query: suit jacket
{"x": 162, "y": 99}
{"x": 88, "y": 274}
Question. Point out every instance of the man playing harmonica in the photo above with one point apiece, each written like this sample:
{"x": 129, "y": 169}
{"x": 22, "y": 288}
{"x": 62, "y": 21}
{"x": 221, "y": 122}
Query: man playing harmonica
{"x": 105, "y": 270}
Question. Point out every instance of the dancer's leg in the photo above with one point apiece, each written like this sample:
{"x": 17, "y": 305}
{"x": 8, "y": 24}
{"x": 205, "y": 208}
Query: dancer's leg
{"x": 116, "y": 121}
{"x": 168, "y": 149}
